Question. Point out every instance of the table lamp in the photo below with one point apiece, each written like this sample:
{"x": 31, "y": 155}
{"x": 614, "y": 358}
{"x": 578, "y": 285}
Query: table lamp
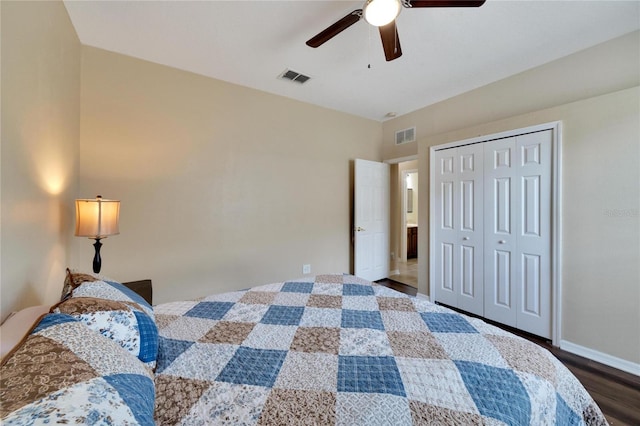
{"x": 97, "y": 219}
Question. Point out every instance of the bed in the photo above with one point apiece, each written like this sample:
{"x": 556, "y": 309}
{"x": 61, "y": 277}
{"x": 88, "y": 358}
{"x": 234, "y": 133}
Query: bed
{"x": 332, "y": 349}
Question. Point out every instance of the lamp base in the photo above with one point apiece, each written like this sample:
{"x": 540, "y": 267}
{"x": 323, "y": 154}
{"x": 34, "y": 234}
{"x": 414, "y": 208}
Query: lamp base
{"x": 97, "y": 261}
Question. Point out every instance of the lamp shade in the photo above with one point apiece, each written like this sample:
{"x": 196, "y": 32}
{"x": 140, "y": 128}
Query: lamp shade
{"x": 97, "y": 218}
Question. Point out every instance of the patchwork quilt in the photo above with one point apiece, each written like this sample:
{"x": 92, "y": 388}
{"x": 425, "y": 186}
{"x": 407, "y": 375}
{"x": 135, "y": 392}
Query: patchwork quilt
{"x": 335, "y": 349}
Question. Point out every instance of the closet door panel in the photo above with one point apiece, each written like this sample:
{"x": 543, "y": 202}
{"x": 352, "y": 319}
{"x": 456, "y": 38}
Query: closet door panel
{"x": 534, "y": 233}
{"x": 500, "y": 213}
{"x": 446, "y": 224}
{"x": 470, "y": 235}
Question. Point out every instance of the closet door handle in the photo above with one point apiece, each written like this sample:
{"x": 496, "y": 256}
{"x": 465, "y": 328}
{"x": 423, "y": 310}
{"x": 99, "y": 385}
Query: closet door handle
{"x": 501, "y": 242}
{"x": 465, "y": 238}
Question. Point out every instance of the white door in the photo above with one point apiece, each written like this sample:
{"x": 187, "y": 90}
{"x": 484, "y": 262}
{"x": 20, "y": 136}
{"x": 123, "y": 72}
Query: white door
{"x": 499, "y": 233}
{"x": 458, "y": 257}
{"x": 371, "y": 222}
{"x": 517, "y": 237}
{"x": 470, "y": 234}
{"x": 446, "y": 232}
{"x": 534, "y": 233}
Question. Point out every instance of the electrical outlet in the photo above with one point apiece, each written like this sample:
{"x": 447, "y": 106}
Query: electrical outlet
{"x": 306, "y": 269}
{"x": 393, "y": 255}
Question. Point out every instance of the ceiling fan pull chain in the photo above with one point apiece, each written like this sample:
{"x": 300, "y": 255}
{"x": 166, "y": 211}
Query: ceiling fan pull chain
{"x": 369, "y": 48}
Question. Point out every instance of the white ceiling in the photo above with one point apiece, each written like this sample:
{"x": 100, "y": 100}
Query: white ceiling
{"x": 445, "y": 51}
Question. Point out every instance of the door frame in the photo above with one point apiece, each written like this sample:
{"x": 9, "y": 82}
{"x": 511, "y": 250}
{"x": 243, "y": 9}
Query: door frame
{"x": 556, "y": 213}
{"x": 398, "y": 256}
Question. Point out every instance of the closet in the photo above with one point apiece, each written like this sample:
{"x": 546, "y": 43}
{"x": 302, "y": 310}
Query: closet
{"x": 492, "y": 229}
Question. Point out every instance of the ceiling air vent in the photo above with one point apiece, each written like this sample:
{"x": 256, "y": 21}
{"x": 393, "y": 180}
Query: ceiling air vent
{"x": 406, "y": 135}
{"x": 294, "y": 76}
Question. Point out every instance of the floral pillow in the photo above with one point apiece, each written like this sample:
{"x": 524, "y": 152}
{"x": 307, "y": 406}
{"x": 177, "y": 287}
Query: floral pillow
{"x": 64, "y": 372}
{"x": 125, "y": 322}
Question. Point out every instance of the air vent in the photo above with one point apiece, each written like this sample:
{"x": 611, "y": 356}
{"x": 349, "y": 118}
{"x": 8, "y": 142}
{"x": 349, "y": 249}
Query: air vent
{"x": 294, "y": 76}
{"x": 406, "y": 136}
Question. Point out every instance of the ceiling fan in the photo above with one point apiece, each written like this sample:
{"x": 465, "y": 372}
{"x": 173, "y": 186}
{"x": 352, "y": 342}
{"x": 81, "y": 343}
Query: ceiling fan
{"x": 382, "y": 14}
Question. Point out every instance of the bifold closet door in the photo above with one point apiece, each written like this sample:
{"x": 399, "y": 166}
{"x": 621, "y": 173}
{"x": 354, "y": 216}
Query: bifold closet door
{"x": 517, "y": 231}
{"x": 459, "y": 247}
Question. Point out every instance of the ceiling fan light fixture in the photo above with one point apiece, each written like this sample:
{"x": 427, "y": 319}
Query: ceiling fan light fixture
{"x": 381, "y": 12}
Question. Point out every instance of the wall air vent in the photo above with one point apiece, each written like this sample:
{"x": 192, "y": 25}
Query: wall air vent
{"x": 406, "y": 135}
{"x": 294, "y": 76}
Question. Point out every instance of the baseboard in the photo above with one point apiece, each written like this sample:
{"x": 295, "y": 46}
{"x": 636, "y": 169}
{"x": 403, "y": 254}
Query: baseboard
{"x": 601, "y": 357}
{"x": 422, "y": 296}
{"x": 394, "y": 272}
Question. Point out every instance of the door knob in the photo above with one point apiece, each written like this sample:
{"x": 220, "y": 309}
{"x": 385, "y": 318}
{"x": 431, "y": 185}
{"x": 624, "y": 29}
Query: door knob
{"x": 465, "y": 238}
{"x": 360, "y": 229}
{"x": 501, "y": 242}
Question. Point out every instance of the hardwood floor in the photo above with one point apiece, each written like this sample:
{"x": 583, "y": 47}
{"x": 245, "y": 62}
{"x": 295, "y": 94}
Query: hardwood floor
{"x": 398, "y": 286}
{"x": 616, "y": 392}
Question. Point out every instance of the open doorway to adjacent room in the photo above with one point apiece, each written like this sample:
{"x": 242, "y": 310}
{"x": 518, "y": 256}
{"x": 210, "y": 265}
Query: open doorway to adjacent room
{"x": 404, "y": 223}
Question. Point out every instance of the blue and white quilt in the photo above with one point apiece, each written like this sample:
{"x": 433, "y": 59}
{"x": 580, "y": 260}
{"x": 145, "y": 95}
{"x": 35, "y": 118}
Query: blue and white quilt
{"x": 335, "y": 349}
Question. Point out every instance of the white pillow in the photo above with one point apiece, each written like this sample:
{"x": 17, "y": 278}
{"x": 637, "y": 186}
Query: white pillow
{"x": 17, "y": 325}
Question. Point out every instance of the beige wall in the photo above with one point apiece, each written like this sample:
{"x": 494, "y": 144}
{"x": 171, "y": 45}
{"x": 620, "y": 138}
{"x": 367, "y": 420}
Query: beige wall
{"x": 40, "y": 137}
{"x": 222, "y": 187}
{"x": 600, "y": 191}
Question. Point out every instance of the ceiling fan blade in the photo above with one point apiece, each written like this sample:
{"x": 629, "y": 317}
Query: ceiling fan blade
{"x": 390, "y": 41}
{"x": 443, "y": 3}
{"x": 335, "y": 29}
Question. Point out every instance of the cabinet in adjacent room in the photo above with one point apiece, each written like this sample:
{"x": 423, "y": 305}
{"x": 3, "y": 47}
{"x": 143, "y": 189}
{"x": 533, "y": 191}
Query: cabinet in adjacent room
{"x": 412, "y": 242}
{"x": 492, "y": 229}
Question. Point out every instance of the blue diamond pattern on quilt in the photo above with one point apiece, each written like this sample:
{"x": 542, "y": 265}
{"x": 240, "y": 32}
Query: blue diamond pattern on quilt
{"x": 361, "y": 319}
{"x": 148, "y": 337}
{"x": 53, "y": 319}
{"x": 283, "y": 315}
{"x": 295, "y": 287}
{"x": 371, "y": 374}
{"x": 357, "y": 290}
{"x": 447, "y": 323}
{"x": 137, "y": 392}
{"x": 249, "y": 366}
{"x": 210, "y": 310}
{"x": 564, "y": 414}
{"x": 169, "y": 350}
{"x": 497, "y": 392}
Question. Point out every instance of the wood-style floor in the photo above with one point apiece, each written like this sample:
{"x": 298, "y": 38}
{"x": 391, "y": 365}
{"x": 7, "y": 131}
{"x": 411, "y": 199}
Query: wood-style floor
{"x": 616, "y": 392}
{"x": 407, "y": 272}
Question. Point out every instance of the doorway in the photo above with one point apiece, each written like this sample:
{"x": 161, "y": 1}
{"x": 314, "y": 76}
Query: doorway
{"x": 406, "y": 224}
